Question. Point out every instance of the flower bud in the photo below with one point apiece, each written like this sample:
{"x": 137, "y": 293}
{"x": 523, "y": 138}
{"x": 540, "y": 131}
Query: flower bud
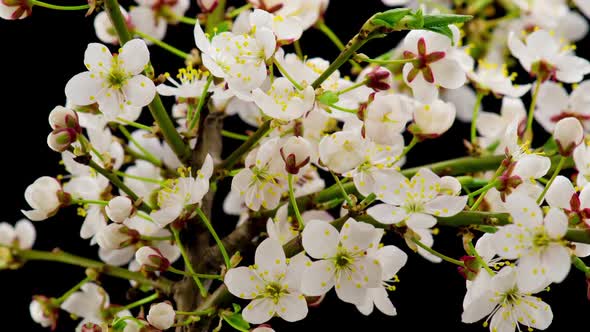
{"x": 15, "y": 9}
{"x": 207, "y": 6}
{"x": 152, "y": 259}
{"x": 116, "y": 236}
{"x": 119, "y": 209}
{"x": 435, "y": 119}
{"x": 379, "y": 79}
{"x": 45, "y": 196}
{"x": 43, "y": 312}
{"x": 66, "y": 128}
{"x": 296, "y": 153}
{"x": 161, "y": 316}
{"x": 263, "y": 328}
{"x": 471, "y": 268}
{"x": 568, "y": 134}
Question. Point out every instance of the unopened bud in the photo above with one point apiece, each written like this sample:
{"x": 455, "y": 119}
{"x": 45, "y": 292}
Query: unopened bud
{"x": 161, "y": 316}
{"x": 15, "y": 9}
{"x": 116, "y": 236}
{"x": 568, "y": 134}
{"x": 119, "y": 209}
{"x": 91, "y": 327}
{"x": 152, "y": 259}
{"x": 379, "y": 79}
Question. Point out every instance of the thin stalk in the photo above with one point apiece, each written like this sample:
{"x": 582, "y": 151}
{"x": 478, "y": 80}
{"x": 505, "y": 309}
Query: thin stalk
{"x": 88, "y": 201}
{"x": 484, "y": 189}
{"x": 294, "y": 202}
{"x": 72, "y": 290}
{"x": 58, "y": 7}
{"x": 438, "y": 254}
{"x": 195, "y": 118}
{"x": 114, "y": 179}
{"x": 207, "y": 223}
{"x": 298, "y": 51}
{"x": 198, "y": 275}
{"x": 229, "y": 134}
{"x": 130, "y": 138}
{"x": 135, "y": 124}
{"x": 233, "y": 158}
{"x": 197, "y": 312}
{"x": 239, "y": 10}
{"x": 342, "y": 190}
{"x": 580, "y": 265}
{"x": 476, "y": 108}
{"x": 155, "y": 238}
{"x": 386, "y": 62}
{"x": 407, "y": 149}
{"x": 137, "y": 303}
{"x": 63, "y": 257}
{"x": 529, "y": 122}
{"x": 162, "y": 44}
{"x": 343, "y": 109}
{"x": 216, "y": 17}
{"x": 140, "y": 178}
{"x": 352, "y": 87}
{"x": 187, "y": 262}
{"x": 286, "y": 75}
{"x": 483, "y": 193}
{"x": 555, "y": 173}
{"x": 479, "y": 259}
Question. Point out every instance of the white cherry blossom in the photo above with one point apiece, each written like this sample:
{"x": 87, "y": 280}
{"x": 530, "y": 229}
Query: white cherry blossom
{"x": 554, "y": 104}
{"x": 493, "y": 127}
{"x": 343, "y": 262}
{"x": 434, "y": 119}
{"x": 386, "y": 117}
{"x": 272, "y": 284}
{"x": 536, "y": 241}
{"x": 43, "y": 196}
{"x": 283, "y": 101}
{"x": 495, "y": 78}
{"x": 113, "y": 81}
{"x": 22, "y": 235}
{"x": 506, "y": 306}
{"x": 182, "y": 192}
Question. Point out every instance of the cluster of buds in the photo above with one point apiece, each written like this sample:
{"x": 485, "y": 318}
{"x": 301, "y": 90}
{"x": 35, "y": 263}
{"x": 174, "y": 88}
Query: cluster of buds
{"x": 66, "y": 128}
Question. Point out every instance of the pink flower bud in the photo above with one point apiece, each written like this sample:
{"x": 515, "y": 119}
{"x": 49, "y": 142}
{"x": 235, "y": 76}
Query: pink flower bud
{"x": 152, "y": 259}
{"x": 43, "y": 311}
{"x": 91, "y": 327}
{"x": 296, "y": 153}
{"x": 471, "y": 269}
{"x": 161, "y": 316}
{"x": 568, "y": 134}
{"x": 207, "y": 6}
{"x": 66, "y": 128}
{"x": 119, "y": 209}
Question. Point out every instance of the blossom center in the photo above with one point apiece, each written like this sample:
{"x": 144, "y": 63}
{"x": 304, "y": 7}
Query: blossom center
{"x": 414, "y": 207}
{"x": 275, "y": 291}
{"x": 117, "y": 77}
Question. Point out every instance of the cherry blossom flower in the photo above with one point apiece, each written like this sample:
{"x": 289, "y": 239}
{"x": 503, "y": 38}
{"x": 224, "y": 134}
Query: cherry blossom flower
{"x": 535, "y": 241}
{"x": 182, "y": 192}
{"x": 161, "y": 316}
{"x": 494, "y": 127}
{"x": 143, "y": 169}
{"x": 284, "y": 228}
{"x": 263, "y": 179}
{"x": 507, "y": 306}
{"x": 433, "y": 64}
{"x": 554, "y": 104}
{"x": 152, "y": 16}
{"x": 285, "y": 28}
{"x": 240, "y": 59}
{"x": 113, "y": 81}
{"x": 542, "y": 55}
{"x": 416, "y": 201}
{"x": 283, "y": 101}
{"x": 22, "y": 235}
{"x": 343, "y": 262}
{"x": 391, "y": 259}
{"x": 191, "y": 85}
{"x": 272, "y": 284}
{"x": 343, "y": 151}
{"x": 386, "y": 117}
{"x": 45, "y": 196}
{"x": 307, "y": 12}
{"x": 494, "y": 78}
{"x": 43, "y": 312}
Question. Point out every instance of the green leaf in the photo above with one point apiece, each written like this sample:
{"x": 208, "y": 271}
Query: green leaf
{"x": 236, "y": 321}
{"x": 328, "y": 98}
{"x": 439, "y": 20}
{"x": 236, "y": 307}
{"x": 443, "y": 30}
{"x": 390, "y": 18}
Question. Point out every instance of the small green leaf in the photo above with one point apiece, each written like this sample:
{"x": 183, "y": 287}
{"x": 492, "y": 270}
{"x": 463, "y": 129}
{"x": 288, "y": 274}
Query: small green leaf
{"x": 443, "y": 30}
{"x": 236, "y": 321}
{"x": 390, "y": 18}
{"x": 236, "y": 307}
{"x": 439, "y": 20}
{"x": 328, "y": 98}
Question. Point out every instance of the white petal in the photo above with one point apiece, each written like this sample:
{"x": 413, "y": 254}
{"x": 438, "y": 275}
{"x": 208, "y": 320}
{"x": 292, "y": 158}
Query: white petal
{"x": 139, "y": 91}
{"x": 243, "y": 282}
{"x": 420, "y": 220}
{"x": 560, "y": 193}
{"x": 320, "y": 239}
{"x": 83, "y": 88}
{"x": 448, "y": 73}
{"x": 382, "y": 301}
{"x": 134, "y": 56}
{"x": 392, "y": 259}
{"x": 539, "y": 314}
{"x": 556, "y": 223}
{"x": 292, "y": 307}
{"x": 557, "y": 262}
{"x": 26, "y": 234}
{"x": 356, "y": 236}
{"x": 318, "y": 278}
{"x": 480, "y": 307}
{"x": 387, "y": 214}
{"x": 270, "y": 260}
{"x": 531, "y": 276}
{"x": 524, "y": 210}
{"x": 445, "y": 206}
{"x": 259, "y": 311}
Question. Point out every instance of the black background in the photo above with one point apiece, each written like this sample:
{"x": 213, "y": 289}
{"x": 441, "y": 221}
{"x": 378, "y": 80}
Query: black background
{"x": 40, "y": 54}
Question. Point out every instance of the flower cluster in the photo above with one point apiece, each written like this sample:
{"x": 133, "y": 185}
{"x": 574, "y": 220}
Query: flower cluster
{"x": 147, "y": 192}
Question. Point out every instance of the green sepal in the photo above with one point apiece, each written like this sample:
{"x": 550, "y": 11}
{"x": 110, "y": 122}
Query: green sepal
{"x": 390, "y": 18}
{"x": 235, "y": 320}
{"x": 328, "y": 98}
